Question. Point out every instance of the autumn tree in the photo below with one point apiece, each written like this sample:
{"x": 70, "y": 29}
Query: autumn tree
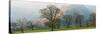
{"x": 52, "y": 13}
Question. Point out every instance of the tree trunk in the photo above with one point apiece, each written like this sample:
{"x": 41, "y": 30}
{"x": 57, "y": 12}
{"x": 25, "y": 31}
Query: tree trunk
{"x": 52, "y": 27}
{"x": 22, "y": 30}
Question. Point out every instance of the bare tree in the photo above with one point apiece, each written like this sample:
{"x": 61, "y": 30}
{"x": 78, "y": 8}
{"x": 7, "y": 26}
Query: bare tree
{"x": 52, "y": 13}
{"x": 22, "y": 24}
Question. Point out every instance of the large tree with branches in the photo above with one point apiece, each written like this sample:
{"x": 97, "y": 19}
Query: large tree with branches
{"x": 52, "y": 13}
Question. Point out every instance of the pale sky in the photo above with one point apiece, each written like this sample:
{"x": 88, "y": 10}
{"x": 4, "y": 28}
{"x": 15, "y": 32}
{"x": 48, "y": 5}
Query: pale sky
{"x": 30, "y": 9}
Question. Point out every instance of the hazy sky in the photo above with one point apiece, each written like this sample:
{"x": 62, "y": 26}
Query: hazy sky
{"x": 30, "y": 9}
{"x": 27, "y": 9}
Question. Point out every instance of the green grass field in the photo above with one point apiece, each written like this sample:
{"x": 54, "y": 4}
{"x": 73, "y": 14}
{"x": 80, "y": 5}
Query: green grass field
{"x": 47, "y": 30}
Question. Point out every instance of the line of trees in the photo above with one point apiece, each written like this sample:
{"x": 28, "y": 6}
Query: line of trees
{"x": 79, "y": 19}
